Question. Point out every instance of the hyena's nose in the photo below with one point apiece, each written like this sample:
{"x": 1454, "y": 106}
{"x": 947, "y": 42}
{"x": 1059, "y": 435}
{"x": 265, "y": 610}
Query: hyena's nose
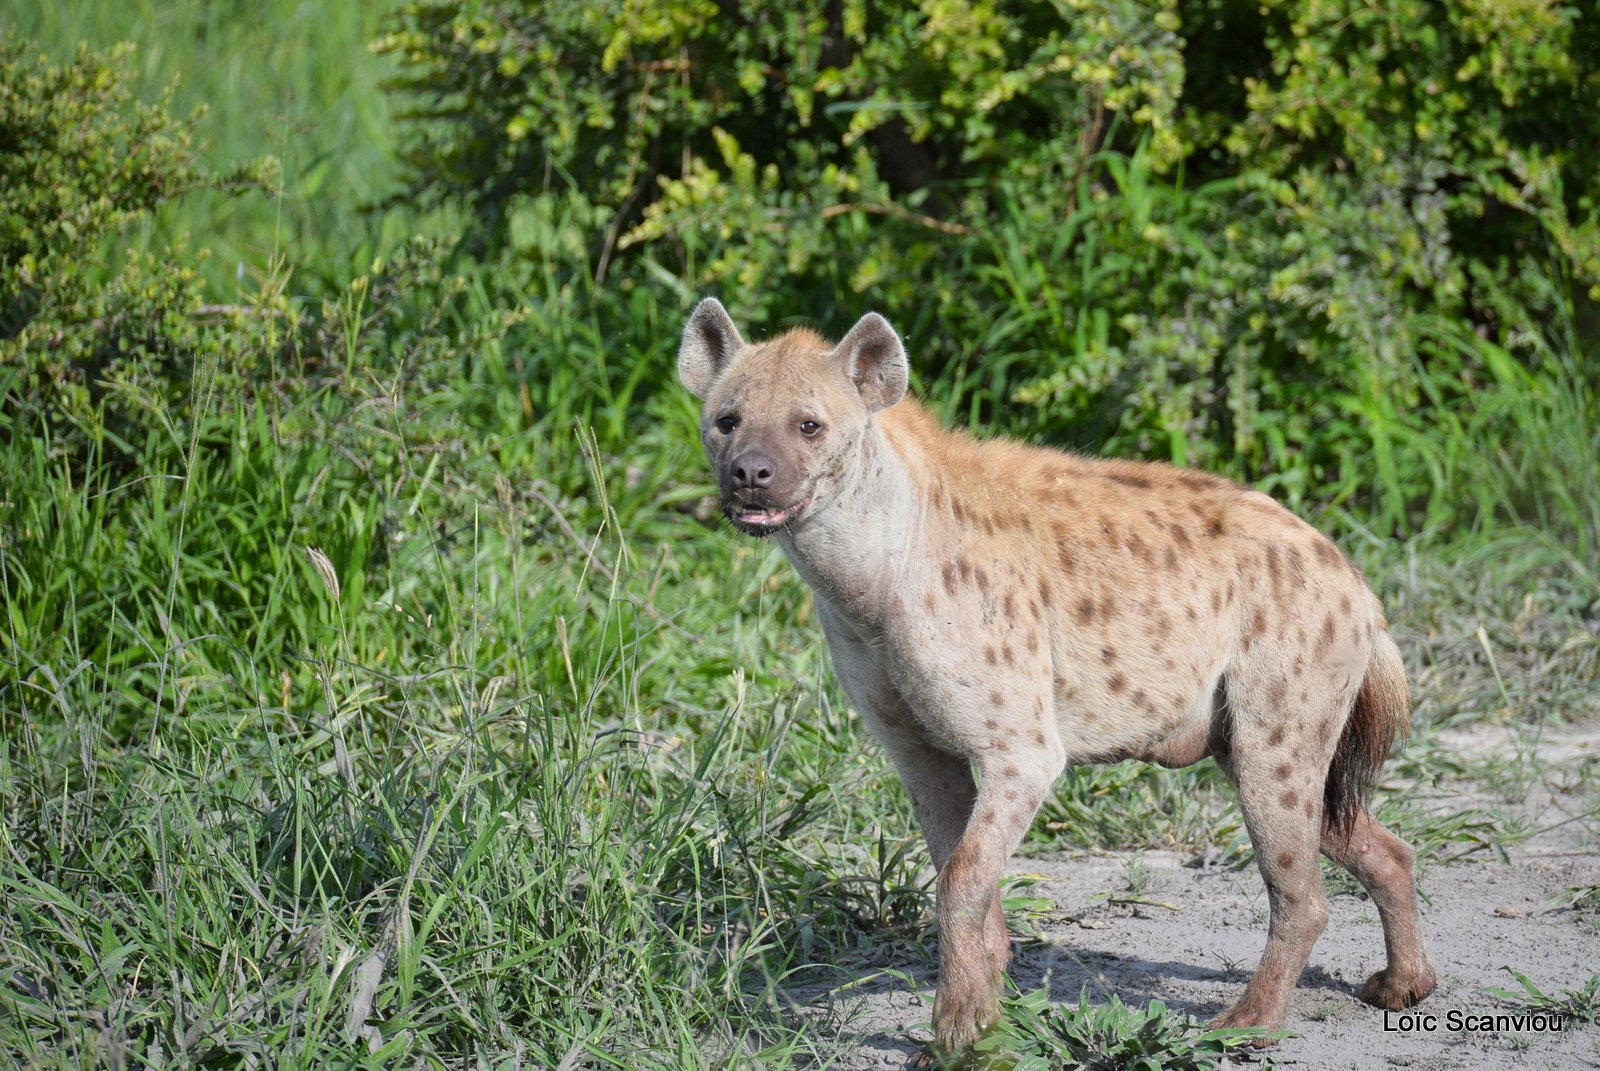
{"x": 753, "y": 471}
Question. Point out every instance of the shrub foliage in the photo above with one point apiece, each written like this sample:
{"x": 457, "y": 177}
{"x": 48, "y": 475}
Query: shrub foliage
{"x": 1219, "y": 231}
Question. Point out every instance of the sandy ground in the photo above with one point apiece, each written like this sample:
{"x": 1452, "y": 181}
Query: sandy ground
{"x": 1484, "y": 914}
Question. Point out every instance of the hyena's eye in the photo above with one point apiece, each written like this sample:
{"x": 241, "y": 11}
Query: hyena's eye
{"x": 808, "y": 428}
{"x": 727, "y": 424}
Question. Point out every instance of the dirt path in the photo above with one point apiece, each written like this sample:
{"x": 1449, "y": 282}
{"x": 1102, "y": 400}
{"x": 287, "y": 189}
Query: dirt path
{"x": 1484, "y": 914}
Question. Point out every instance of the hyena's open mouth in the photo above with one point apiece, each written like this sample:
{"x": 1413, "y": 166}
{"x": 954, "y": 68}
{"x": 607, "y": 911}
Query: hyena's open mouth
{"x": 763, "y": 520}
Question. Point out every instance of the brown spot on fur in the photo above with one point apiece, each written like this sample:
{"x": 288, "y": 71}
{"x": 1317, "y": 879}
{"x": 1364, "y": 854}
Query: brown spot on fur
{"x": 1044, "y": 590}
{"x": 1216, "y": 600}
{"x": 1275, "y": 737}
{"x": 1108, "y": 655}
{"x": 1010, "y": 771}
{"x": 1085, "y": 610}
{"x": 1012, "y": 795}
{"x": 1190, "y": 614}
{"x": 1258, "y": 625}
{"x": 1344, "y": 602}
{"x": 928, "y": 602}
{"x": 1008, "y": 605}
{"x": 990, "y": 724}
{"x": 1325, "y": 550}
{"x": 1325, "y": 730}
{"x": 1278, "y": 693}
{"x": 1282, "y": 771}
{"x": 1275, "y": 571}
{"x": 996, "y": 698}
{"x": 1117, "y": 683}
{"x": 1005, "y": 654}
{"x": 1310, "y": 808}
{"x": 988, "y": 653}
{"x": 1033, "y": 643}
{"x": 949, "y": 578}
{"x": 1129, "y": 481}
{"x": 1326, "y": 635}
{"x": 1064, "y": 555}
{"x": 1286, "y": 860}
{"x": 1141, "y": 700}
{"x": 1038, "y": 738}
{"x": 981, "y": 578}
{"x": 1289, "y": 799}
{"x": 1201, "y": 481}
{"x": 1171, "y": 557}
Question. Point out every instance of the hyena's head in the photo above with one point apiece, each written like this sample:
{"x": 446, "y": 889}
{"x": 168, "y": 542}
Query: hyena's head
{"x": 783, "y": 420}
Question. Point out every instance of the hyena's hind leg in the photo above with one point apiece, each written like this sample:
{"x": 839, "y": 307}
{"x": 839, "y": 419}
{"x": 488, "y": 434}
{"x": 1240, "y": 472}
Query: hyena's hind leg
{"x": 1385, "y": 865}
{"x": 1279, "y": 781}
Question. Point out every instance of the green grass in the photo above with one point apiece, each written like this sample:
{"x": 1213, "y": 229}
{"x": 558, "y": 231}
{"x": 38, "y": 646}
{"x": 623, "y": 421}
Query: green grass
{"x": 1041, "y": 1034}
{"x": 561, "y": 770}
{"x": 286, "y": 78}
{"x": 1582, "y": 1003}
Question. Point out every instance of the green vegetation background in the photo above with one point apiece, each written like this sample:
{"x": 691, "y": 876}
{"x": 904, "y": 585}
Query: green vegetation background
{"x": 373, "y": 684}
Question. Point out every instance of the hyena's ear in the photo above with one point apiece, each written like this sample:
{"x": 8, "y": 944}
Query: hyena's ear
{"x": 710, "y": 343}
{"x": 872, "y": 356}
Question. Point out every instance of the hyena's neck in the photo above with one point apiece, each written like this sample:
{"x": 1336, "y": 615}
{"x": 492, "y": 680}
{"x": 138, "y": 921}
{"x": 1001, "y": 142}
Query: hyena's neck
{"x": 854, "y": 549}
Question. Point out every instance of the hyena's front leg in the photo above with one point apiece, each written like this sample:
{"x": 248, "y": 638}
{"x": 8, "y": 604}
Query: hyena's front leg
{"x": 970, "y": 969}
{"x": 942, "y": 793}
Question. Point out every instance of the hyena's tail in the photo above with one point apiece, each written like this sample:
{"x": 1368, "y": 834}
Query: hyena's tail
{"x": 1382, "y": 712}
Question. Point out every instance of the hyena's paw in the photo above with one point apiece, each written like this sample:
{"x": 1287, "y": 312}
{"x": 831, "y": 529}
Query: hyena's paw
{"x": 1395, "y": 990}
{"x": 958, "y": 1024}
{"x": 1246, "y": 1014}
{"x": 955, "y": 1052}
{"x": 929, "y": 1059}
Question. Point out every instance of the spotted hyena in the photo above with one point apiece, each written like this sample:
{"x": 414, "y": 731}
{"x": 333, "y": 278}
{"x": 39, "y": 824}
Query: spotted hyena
{"x": 1010, "y": 610}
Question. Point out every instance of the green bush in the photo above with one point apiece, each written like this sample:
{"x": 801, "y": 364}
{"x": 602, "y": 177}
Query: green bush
{"x": 1220, "y": 232}
{"x": 81, "y": 162}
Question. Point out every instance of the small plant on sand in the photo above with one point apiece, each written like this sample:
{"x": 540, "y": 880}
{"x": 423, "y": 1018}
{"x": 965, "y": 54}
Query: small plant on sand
{"x": 1039, "y": 1035}
{"x": 1582, "y": 1003}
